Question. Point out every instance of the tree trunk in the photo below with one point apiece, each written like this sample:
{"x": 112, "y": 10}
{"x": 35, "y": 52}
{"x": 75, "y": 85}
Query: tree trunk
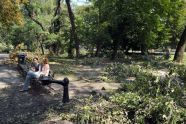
{"x": 42, "y": 48}
{"x": 73, "y": 28}
{"x": 144, "y": 50}
{"x": 178, "y": 57}
{"x": 39, "y": 39}
{"x": 92, "y": 51}
{"x": 57, "y": 23}
{"x": 115, "y": 49}
{"x": 98, "y": 49}
{"x": 127, "y": 50}
{"x": 70, "y": 47}
{"x": 55, "y": 27}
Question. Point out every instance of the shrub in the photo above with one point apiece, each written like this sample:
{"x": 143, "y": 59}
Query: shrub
{"x": 127, "y": 108}
{"x": 89, "y": 61}
{"x": 61, "y": 68}
{"x": 161, "y": 109}
{"x": 119, "y": 72}
{"x": 181, "y": 71}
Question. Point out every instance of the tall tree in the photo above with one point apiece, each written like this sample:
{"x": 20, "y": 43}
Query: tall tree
{"x": 56, "y": 25}
{"x": 57, "y": 22}
{"x": 178, "y": 57}
{"x": 10, "y": 12}
{"x": 73, "y": 37}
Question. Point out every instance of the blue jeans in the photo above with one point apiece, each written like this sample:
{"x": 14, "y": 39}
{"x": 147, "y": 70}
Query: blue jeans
{"x": 30, "y": 75}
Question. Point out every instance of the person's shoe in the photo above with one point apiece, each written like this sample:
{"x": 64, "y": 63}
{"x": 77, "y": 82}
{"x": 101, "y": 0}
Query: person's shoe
{"x": 23, "y": 90}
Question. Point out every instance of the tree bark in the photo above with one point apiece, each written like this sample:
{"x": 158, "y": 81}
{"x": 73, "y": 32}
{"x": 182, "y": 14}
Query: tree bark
{"x": 144, "y": 49}
{"x": 73, "y": 28}
{"x": 55, "y": 26}
{"x": 178, "y": 56}
{"x": 39, "y": 39}
{"x": 115, "y": 49}
{"x": 57, "y": 22}
{"x": 98, "y": 49}
{"x": 70, "y": 47}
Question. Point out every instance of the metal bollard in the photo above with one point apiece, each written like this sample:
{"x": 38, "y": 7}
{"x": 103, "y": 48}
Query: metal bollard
{"x": 64, "y": 83}
{"x": 65, "y": 92}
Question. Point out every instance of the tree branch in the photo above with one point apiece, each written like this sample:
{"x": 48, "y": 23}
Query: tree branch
{"x": 31, "y": 15}
{"x": 58, "y": 8}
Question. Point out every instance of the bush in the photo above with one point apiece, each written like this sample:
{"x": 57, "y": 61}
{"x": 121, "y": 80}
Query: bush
{"x": 96, "y": 111}
{"x": 62, "y": 68}
{"x": 127, "y": 108}
{"x": 145, "y": 83}
{"x": 154, "y": 86}
{"x": 161, "y": 109}
{"x": 119, "y": 72}
{"x": 181, "y": 71}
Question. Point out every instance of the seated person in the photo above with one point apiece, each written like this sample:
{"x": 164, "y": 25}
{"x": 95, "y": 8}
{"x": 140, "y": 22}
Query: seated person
{"x": 43, "y": 70}
{"x": 35, "y": 65}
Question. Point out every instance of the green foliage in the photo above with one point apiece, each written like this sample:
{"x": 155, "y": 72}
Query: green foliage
{"x": 89, "y": 28}
{"x": 5, "y": 47}
{"x": 62, "y": 68}
{"x": 119, "y": 72}
{"x": 89, "y": 61}
{"x": 160, "y": 110}
{"x": 10, "y": 12}
{"x": 26, "y": 35}
{"x": 131, "y": 24}
{"x": 101, "y": 26}
{"x": 144, "y": 82}
{"x": 127, "y": 100}
{"x": 181, "y": 71}
{"x": 93, "y": 110}
{"x": 126, "y": 108}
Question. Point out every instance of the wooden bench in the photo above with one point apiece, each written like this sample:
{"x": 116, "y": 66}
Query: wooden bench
{"x": 45, "y": 80}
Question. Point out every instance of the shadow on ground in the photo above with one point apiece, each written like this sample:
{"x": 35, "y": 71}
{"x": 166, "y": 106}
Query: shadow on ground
{"x": 24, "y": 107}
{"x": 37, "y": 106}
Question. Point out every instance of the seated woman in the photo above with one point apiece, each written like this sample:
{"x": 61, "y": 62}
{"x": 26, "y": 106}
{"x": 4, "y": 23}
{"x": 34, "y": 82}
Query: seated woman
{"x": 43, "y": 70}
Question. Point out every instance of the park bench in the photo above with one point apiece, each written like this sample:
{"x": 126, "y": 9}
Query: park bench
{"x": 23, "y": 68}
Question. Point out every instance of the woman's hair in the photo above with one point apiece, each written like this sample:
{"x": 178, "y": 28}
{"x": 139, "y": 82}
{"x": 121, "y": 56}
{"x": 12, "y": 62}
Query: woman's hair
{"x": 45, "y": 61}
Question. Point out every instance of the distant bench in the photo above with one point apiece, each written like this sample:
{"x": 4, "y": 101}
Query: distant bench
{"x": 45, "y": 80}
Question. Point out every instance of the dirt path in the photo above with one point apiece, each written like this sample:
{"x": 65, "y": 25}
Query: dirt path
{"x": 25, "y": 108}
{"x": 19, "y": 108}
{"x": 38, "y": 106}
{"x": 85, "y": 81}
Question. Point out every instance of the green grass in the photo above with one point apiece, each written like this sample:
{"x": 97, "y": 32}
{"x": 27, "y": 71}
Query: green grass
{"x": 184, "y": 58}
